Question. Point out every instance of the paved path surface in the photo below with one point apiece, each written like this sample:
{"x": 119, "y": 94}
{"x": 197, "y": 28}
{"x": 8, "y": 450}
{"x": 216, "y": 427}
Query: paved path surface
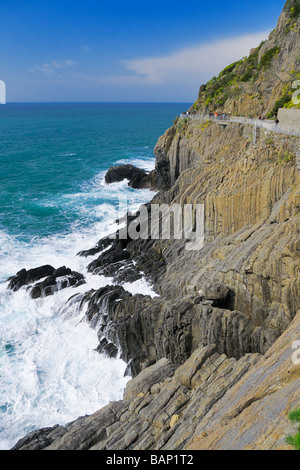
{"x": 257, "y": 123}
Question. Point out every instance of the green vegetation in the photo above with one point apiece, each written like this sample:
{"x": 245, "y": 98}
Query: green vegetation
{"x": 229, "y": 83}
{"x": 285, "y": 98}
{"x": 293, "y": 7}
{"x": 247, "y": 76}
{"x": 295, "y": 10}
{"x": 269, "y": 141}
{"x": 181, "y": 125}
{"x": 285, "y": 158}
{"x": 285, "y": 101}
{"x": 290, "y": 104}
{"x": 205, "y": 124}
{"x": 295, "y": 440}
{"x": 267, "y": 58}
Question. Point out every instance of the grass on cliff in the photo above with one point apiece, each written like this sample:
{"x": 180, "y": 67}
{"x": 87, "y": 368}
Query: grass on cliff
{"x": 230, "y": 81}
{"x": 295, "y": 440}
{"x": 244, "y": 76}
{"x": 286, "y": 101}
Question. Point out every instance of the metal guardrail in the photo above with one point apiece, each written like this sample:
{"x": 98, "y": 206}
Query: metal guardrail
{"x": 271, "y": 126}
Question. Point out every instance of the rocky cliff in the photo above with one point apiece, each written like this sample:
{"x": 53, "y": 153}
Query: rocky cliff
{"x": 211, "y": 356}
{"x": 261, "y": 83}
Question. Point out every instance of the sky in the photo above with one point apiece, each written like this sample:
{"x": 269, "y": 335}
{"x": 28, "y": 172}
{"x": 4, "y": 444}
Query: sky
{"x": 128, "y": 51}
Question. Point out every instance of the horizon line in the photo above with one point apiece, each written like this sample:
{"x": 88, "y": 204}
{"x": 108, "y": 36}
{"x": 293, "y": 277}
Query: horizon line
{"x": 99, "y": 102}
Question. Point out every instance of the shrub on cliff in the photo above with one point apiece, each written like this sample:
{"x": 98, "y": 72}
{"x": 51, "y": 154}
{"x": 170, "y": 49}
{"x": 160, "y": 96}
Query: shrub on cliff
{"x": 295, "y": 440}
{"x": 268, "y": 56}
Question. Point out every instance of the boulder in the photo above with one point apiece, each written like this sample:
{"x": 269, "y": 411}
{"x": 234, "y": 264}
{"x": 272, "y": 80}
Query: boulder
{"x": 24, "y": 277}
{"x": 137, "y": 178}
{"x": 60, "y": 279}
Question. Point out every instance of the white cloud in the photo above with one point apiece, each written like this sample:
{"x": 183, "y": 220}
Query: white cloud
{"x": 171, "y": 77}
{"x": 204, "y": 60}
{"x": 53, "y": 67}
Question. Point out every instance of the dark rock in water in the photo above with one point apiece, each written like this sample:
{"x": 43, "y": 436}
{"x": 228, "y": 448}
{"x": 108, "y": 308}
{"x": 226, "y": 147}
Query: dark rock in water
{"x": 100, "y": 309}
{"x": 24, "y": 277}
{"x": 53, "y": 280}
{"x": 109, "y": 257}
{"x": 137, "y": 177}
{"x": 60, "y": 279}
{"x": 101, "y": 245}
{"x": 101, "y": 304}
{"x": 107, "y": 348}
{"x": 121, "y": 272}
{"x": 118, "y": 173}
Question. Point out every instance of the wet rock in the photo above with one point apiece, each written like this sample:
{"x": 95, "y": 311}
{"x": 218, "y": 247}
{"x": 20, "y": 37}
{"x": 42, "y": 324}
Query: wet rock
{"x": 160, "y": 409}
{"x": 121, "y": 272}
{"x": 224, "y": 393}
{"x": 25, "y": 277}
{"x": 107, "y": 348}
{"x": 137, "y": 177}
{"x": 60, "y": 279}
{"x": 103, "y": 244}
{"x": 111, "y": 256}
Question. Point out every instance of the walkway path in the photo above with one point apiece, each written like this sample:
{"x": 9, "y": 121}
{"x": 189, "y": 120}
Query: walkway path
{"x": 226, "y": 119}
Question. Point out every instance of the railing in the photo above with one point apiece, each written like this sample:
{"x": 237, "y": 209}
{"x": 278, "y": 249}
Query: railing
{"x": 258, "y": 123}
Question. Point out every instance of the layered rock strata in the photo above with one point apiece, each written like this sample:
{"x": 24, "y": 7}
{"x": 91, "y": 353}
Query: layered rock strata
{"x": 217, "y": 340}
{"x": 210, "y": 402}
{"x": 212, "y": 356}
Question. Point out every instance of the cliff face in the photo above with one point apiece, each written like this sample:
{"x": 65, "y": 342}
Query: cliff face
{"x": 211, "y": 402}
{"x": 262, "y": 82}
{"x": 211, "y": 355}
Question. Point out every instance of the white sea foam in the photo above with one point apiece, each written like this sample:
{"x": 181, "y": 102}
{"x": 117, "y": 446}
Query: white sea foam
{"x": 146, "y": 165}
{"x": 50, "y": 371}
{"x": 141, "y": 286}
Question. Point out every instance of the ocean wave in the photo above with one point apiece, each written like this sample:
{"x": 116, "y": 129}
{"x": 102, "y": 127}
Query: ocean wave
{"x": 49, "y": 368}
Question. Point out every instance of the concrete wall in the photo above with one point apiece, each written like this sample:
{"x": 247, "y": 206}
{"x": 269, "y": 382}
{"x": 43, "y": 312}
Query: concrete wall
{"x": 289, "y": 117}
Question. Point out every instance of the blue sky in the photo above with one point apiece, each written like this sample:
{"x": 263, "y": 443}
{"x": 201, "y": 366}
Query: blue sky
{"x": 158, "y": 51}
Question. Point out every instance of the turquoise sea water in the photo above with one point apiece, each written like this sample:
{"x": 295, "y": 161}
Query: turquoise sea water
{"x": 49, "y": 152}
{"x": 53, "y": 203}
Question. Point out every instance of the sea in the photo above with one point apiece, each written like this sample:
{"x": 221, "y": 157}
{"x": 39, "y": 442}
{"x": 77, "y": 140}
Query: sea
{"x": 54, "y": 202}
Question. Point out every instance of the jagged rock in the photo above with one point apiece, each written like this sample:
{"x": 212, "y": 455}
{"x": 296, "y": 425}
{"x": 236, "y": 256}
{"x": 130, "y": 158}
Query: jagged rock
{"x": 101, "y": 246}
{"x": 61, "y": 278}
{"x": 232, "y": 344}
{"x": 210, "y": 402}
{"x": 162, "y": 161}
{"x": 137, "y": 177}
{"x": 121, "y": 272}
{"x": 25, "y": 277}
{"x": 55, "y": 279}
{"x": 217, "y": 293}
{"x": 107, "y": 348}
{"x": 100, "y": 312}
{"x": 264, "y": 80}
{"x": 145, "y": 417}
{"x": 111, "y": 256}
{"x": 144, "y": 382}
